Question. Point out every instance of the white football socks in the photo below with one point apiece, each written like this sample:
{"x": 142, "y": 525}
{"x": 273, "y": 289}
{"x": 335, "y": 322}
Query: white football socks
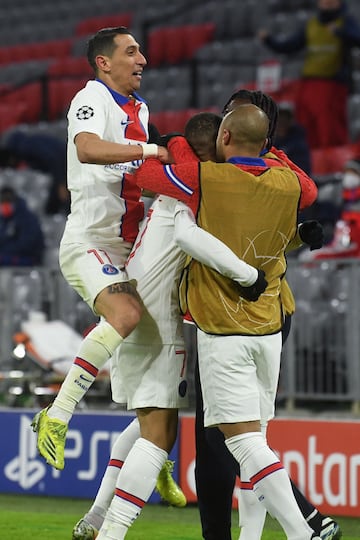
{"x": 252, "y": 513}
{"x": 136, "y": 482}
{"x": 270, "y": 481}
{"x": 119, "y": 452}
{"x": 97, "y": 347}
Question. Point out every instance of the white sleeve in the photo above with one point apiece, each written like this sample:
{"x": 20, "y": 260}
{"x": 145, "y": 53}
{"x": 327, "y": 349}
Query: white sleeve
{"x": 207, "y": 249}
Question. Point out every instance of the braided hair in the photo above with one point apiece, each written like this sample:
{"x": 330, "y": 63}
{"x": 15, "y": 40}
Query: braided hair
{"x": 264, "y": 102}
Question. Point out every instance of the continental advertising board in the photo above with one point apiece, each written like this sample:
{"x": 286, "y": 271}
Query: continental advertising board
{"x": 322, "y": 457}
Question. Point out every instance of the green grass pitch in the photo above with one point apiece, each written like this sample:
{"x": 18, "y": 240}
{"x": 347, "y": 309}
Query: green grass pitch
{"x": 46, "y": 518}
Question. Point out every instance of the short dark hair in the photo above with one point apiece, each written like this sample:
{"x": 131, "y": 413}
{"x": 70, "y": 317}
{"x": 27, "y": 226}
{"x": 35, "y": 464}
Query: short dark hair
{"x": 264, "y": 102}
{"x": 103, "y": 43}
{"x": 201, "y": 131}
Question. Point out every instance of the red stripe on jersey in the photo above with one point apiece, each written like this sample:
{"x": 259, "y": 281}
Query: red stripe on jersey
{"x": 115, "y": 463}
{"x": 266, "y": 471}
{"x": 131, "y": 193}
{"x": 134, "y": 208}
{"x": 129, "y": 497}
{"x": 139, "y": 242}
{"x": 134, "y": 129}
{"x": 85, "y": 365}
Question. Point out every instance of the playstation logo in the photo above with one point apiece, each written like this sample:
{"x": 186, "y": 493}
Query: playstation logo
{"x": 25, "y": 469}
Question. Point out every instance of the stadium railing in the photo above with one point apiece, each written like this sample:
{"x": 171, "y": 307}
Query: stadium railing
{"x": 320, "y": 361}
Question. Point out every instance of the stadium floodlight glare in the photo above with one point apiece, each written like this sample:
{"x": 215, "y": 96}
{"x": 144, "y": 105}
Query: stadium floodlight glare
{"x": 16, "y": 390}
{"x": 20, "y": 351}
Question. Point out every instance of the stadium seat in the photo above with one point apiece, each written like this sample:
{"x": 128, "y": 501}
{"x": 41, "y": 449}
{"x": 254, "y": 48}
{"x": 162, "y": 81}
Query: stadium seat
{"x": 35, "y": 51}
{"x": 10, "y": 117}
{"x": 93, "y": 24}
{"x": 319, "y": 162}
{"x": 195, "y": 36}
{"x": 332, "y": 160}
{"x": 175, "y": 44}
{"x": 170, "y": 121}
{"x": 70, "y": 66}
{"x": 60, "y": 94}
{"x": 156, "y": 44}
{"x": 28, "y": 99}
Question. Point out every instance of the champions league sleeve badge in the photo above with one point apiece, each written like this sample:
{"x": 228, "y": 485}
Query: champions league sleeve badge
{"x": 85, "y": 112}
{"x": 110, "y": 270}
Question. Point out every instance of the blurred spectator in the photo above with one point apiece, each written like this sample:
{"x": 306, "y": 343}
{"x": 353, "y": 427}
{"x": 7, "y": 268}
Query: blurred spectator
{"x": 42, "y": 152}
{"x": 346, "y": 237}
{"x": 291, "y": 137}
{"x": 21, "y": 237}
{"x": 327, "y": 38}
{"x": 351, "y": 185}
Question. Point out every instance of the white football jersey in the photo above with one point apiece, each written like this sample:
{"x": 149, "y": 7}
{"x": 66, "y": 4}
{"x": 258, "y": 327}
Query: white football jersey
{"x": 105, "y": 201}
{"x": 156, "y": 262}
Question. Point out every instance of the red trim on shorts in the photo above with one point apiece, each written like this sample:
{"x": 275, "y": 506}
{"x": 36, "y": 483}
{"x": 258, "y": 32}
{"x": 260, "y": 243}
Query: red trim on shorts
{"x": 246, "y": 485}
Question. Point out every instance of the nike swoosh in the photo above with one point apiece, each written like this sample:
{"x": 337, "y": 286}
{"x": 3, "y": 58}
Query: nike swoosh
{"x": 126, "y": 122}
{"x": 84, "y": 378}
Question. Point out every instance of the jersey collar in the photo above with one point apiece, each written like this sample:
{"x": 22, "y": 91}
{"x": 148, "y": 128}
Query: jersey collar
{"x": 119, "y": 98}
{"x": 255, "y": 162}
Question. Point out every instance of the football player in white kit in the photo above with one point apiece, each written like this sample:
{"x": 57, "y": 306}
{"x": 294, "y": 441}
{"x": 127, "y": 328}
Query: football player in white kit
{"x": 149, "y": 369}
{"x": 239, "y": 343}
{"x": 107, "y": 140}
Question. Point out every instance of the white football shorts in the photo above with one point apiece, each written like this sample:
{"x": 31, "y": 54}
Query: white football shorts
{"x": 89, "y": 269}
{"x": 150, "y": 376}
{"x": 149, "y": 368}
{"x": 239, "y": 377}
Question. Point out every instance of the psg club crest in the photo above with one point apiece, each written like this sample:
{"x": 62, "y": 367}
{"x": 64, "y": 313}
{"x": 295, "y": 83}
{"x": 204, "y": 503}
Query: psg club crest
{"x": 110, "y": 270}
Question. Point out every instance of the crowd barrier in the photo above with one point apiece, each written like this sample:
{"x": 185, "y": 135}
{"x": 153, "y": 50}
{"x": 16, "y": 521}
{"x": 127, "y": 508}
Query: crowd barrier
{"x": 320, "y": 363}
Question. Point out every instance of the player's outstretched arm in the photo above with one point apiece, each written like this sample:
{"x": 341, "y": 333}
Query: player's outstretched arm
{"x": 209, "y": 250}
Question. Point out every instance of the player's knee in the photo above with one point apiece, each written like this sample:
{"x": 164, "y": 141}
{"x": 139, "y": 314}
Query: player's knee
{"x": 127, "y": 317}
{"x": 159, "y": 426}
{"x": 163, "y": 439}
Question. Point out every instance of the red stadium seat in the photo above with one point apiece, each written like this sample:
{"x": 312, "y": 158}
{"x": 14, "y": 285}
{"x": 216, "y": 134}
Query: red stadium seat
{"x": 60, "y": 95}
{"x": 332, "y": 160}
{"x": 72, "y": 65}
{"x": 156, "y": 45}
{"x": 93, "y": 24}
{"x": 169, "y": 121}
{"x": 173, "y": 44}
{"x": 30, "y": 98}
{"x": 195, "y": 36}
{"x": 35, "y": 51}
{"x": 11, "y": 116}
{"x": 319, "y": 162}
{"x": 159, "y": 120}
{"x": 339, "y": 155}
{"x": 175, "y": 47}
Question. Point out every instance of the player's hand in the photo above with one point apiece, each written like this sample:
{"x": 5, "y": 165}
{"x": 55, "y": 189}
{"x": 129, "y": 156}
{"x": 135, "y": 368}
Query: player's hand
{"x": 164, "y": 155}
{"x": 311, "y": 233}
{"x": 253, "y": 292}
